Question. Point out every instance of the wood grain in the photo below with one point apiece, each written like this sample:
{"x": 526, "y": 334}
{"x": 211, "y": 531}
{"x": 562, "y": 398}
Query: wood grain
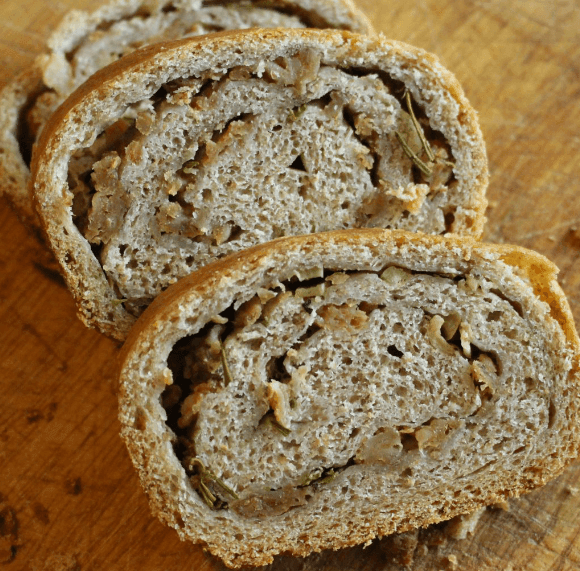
{"x": 69, "y": 498}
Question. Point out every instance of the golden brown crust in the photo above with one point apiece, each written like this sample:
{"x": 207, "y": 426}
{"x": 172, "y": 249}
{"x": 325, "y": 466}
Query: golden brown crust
{"x": 164, "y": 321}
{"x": 191, "y": 57}
{"x": 540, "y": 271}
{"x": 14, "y": 174}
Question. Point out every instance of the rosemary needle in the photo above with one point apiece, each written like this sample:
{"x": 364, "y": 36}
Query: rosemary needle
{"x": 206, "y": 495}
{"x": 205, "y": 475}
{"x": 409, "y": 152}
{"x": 269, "y": 419}
{"x": 295, "y": 115}
{"x": 328, "y": 478}
{"x": 418, "y": 128}
{"x": 309, "y": 478}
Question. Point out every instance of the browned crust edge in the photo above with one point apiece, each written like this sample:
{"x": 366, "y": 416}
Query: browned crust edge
{"x": 540, "y": 272}
{"x": 14, "y": 173}
{"x": 71, "y": 249}
{"x": 157, "y": 320}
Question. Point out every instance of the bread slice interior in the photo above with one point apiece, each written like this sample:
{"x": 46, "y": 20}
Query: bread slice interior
{"x": 185, "y": 153}
{"x": 349, "y": 392}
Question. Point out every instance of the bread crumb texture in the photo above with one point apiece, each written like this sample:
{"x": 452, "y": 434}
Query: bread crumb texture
{"x": 354, "y": 404}
{"x": 297, "y": 139}
{"x": 84, "y": 43}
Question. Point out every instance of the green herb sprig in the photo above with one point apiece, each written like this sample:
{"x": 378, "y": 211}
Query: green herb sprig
{"x": 206, "y": 476}
{"x": 413, "y": 156}
{"x": 190, "y": 166}
{"x": 420, "y": 133}
{"x": 270, "y": 420}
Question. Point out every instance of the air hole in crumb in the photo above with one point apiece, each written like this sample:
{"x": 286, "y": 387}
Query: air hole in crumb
{"x": 552, "y": 413}
{"x": 498, "y": 446}
{"x": 494, "y": 316}
{"x": 392, "y": 350}
{"x": 142, "y": 13}
{"x": 237, "y": 119}
{"x": 235, "y": 233}
{"x": 402, "y": 391}
{"x": 140, "y": 422}
{"x": 530, "y": 383}
{"x": 276, "y": 370}
{"x": 449, "y": 220}
{"x": 517, "y": 307}
{"x": 348, "y": 117}
{"x": 170, "y": 396}
{"x": 97, "y": 250}
{"x": 298, "y": 164}
{"x": 409, "y": 442}
{"x": 495, "y": 360}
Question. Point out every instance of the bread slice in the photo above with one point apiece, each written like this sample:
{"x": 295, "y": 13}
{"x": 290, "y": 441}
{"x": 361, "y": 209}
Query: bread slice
{"x": 182, "y": 153}
{"x": 85, "y": 42}
{"x": 318, "y": 391}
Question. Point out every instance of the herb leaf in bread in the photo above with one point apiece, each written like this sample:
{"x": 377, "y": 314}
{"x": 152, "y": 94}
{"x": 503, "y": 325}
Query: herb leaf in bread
{"x": 86, "y": 42}
{"x": 182, "y": 153}
{"x": 318, "y": 391}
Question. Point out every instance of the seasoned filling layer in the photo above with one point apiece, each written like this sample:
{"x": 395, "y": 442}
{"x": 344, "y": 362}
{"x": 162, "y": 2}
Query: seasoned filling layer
{"x": 423, "y": 378}
{"x": 120, "y": 33}
{"x": 280, "y": 148}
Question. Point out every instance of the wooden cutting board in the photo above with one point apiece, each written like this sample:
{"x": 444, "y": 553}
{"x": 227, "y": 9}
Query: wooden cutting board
{"x": 69, "y": 498}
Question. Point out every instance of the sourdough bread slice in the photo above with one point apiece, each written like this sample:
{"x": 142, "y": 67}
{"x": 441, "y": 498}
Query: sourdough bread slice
{"x": 185, "y": 152}
{"x": 318, "y": 391}
{"x": 85, "y": 42}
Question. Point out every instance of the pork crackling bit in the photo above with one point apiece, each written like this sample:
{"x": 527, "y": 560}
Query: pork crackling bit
{"x": 318, "y": 391}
